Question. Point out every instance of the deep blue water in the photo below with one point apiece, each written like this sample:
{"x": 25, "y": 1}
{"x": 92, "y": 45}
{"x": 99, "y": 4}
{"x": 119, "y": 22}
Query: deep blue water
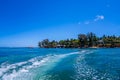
{"x": 59, "y": 64}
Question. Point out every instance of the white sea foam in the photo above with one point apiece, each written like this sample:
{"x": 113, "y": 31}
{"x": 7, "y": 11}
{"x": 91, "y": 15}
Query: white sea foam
{"x": 24, "y": 72}
{"x": 86, "y": 72}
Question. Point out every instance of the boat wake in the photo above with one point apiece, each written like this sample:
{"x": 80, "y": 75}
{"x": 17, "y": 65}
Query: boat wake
{"x": 85, "y": 72}
{"x": 37, "y": 68}
{"x": 27, "y": 70}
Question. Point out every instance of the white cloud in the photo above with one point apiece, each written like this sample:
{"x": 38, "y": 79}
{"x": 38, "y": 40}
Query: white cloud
{"x": 99, "y": 17}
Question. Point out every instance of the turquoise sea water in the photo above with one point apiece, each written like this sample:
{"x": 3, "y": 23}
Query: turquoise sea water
{"x": 59, "y": 64}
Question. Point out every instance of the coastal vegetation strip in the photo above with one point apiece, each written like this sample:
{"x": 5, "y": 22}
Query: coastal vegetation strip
{"x": 83, "y": 41}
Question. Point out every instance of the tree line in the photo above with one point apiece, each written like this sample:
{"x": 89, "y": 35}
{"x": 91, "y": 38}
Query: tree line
{"x": 83, "y": 41}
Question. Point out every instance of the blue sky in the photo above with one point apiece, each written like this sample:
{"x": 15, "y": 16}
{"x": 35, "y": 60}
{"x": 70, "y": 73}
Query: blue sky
{"x": 25, "y": 22}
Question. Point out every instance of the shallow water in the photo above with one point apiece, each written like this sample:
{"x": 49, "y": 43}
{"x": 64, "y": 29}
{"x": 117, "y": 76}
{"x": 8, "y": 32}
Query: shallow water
{"x": 59, "y": 64}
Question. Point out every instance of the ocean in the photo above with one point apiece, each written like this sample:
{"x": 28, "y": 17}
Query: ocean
{"x": 59, "y": 64}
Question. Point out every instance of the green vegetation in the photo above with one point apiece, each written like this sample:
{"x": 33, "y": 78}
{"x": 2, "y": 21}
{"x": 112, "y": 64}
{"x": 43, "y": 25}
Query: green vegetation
{"x": 83, "y": 41}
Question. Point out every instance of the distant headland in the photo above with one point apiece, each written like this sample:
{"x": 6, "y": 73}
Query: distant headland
{"x": 89, "y": 40}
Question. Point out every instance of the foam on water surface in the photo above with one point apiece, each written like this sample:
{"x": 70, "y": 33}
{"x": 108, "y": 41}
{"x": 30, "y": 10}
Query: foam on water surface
{"x": 39, "y": 68}
{"x": 27, "y": 70}
{"x": 86, "y": 72}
